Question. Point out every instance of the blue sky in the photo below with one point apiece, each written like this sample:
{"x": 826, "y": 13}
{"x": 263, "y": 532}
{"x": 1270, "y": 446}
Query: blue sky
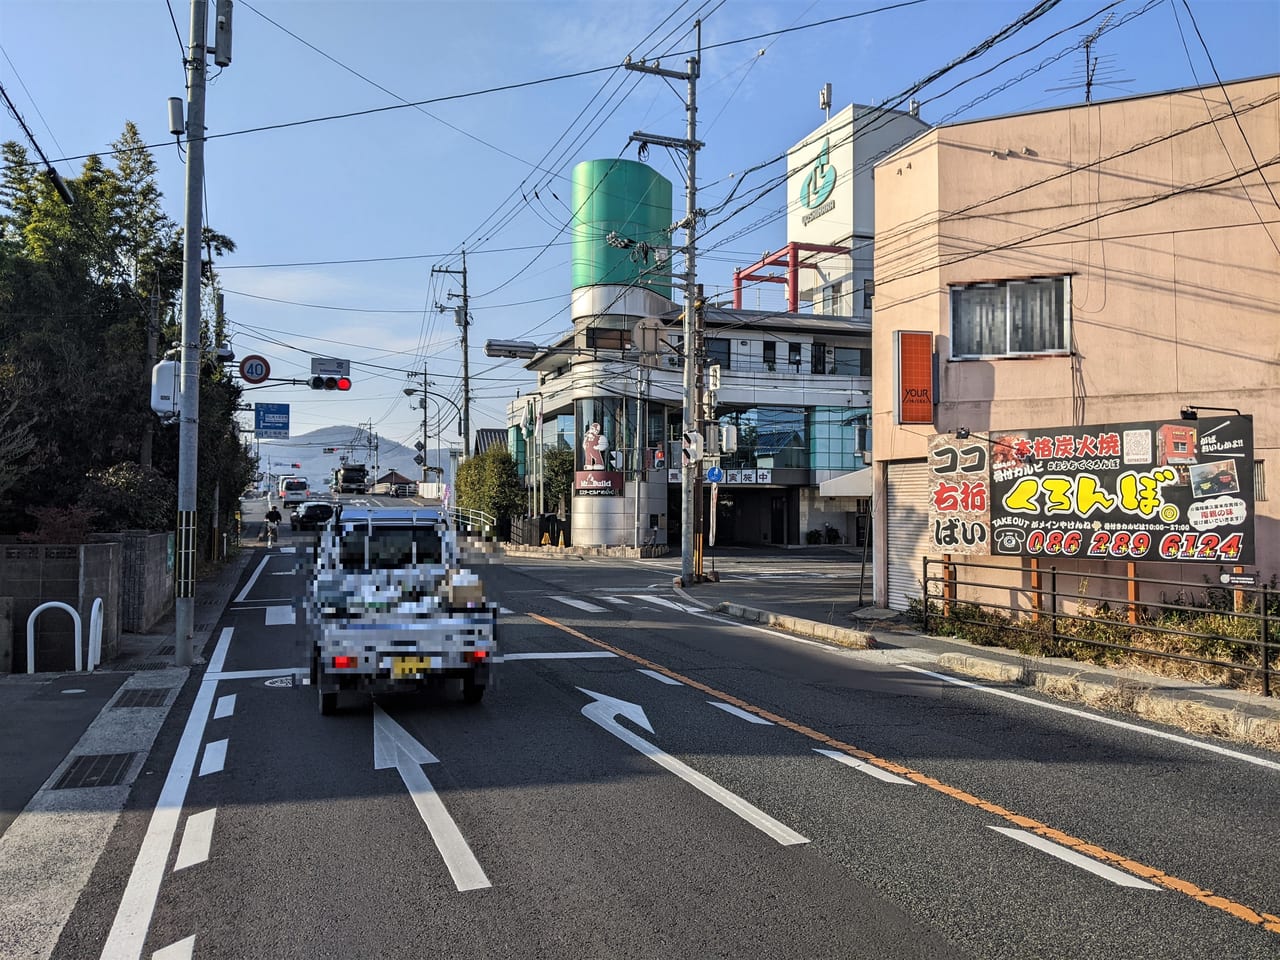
{"x": 418, "y": 183}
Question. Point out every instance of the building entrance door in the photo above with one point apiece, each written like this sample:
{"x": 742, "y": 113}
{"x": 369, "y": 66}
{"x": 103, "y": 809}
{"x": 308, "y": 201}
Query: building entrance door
{"x": 778, "y": 520}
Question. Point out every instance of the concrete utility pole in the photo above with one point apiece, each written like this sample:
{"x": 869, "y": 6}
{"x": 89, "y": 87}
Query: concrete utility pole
{"x": 689, "y": 473}
{"x": 462, "y": 317}
{"x": 189, "y": 428}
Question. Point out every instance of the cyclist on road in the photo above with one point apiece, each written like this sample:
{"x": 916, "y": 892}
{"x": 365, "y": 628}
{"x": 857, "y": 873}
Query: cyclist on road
{"x": 273, "y": 525}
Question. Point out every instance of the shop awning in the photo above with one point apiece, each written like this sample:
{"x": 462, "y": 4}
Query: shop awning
{"x": 855, "y": 484}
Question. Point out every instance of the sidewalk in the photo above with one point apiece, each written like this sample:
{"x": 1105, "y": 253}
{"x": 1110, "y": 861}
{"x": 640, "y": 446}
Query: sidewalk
{"x": 832, "y": 613}
{"x": 45, "y": 716}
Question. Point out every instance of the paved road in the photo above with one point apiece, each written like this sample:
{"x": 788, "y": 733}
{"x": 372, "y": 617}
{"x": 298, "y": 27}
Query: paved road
{"x": 647, "y": 780}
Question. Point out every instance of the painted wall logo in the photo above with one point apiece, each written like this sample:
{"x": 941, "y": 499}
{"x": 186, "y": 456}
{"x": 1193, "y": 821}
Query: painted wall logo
{"x": 815, "y": 190}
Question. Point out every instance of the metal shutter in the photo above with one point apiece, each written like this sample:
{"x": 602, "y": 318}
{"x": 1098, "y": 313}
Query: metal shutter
{"x": 907, "y": 518}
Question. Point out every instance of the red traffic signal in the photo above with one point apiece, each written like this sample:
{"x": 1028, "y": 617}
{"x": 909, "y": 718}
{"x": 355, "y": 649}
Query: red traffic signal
{"x": 296, "y": 466}
{"x": 330, "y": 383}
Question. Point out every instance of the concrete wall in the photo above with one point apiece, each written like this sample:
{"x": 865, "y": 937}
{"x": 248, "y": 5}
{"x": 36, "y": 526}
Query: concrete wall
{"x": 146, "y": 578}
{"x": 75, "y": 574}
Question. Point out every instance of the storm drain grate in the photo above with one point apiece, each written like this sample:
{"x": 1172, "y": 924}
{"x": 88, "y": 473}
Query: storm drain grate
{"x": 151, "y": 665}
{"x": 165, "y": 651}
{"x": 143, "y": 697}
{"x": 95, "y": 770}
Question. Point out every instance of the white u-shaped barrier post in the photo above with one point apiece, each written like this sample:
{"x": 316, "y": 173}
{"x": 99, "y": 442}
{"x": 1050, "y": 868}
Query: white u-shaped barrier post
{"x": 95, "y": 635}
{"x": 31, "y": 631}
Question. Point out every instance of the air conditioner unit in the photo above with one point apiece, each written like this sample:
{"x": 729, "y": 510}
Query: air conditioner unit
{"x": 673, "y": 361}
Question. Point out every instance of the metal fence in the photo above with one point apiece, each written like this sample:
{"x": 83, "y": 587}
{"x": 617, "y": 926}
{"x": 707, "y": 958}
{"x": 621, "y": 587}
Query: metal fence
{"x": 1228, "y": 628}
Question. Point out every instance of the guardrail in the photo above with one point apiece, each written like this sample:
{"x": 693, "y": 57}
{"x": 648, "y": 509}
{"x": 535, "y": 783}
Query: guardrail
{"x": 473, "y": 519}
{"x": 1228, "y": 628}
{"x": 95, "y": 632}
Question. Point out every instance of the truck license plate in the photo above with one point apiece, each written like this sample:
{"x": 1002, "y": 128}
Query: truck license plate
{"x": 411, "y": 666}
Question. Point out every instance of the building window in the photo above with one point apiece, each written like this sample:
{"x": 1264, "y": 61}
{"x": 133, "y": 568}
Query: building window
{"x": 831, "y": 298}
{"x": 818, "y": 358}
{"x": 770, "y": 355}
{"x": 852, "y": 362}
{"x": 1015, "y": 318}
{"x": 793, "y": 356}
{"x": 718, "y": 351}
{"x": 1259, "y": 480}
{"x": 602, "y": 338}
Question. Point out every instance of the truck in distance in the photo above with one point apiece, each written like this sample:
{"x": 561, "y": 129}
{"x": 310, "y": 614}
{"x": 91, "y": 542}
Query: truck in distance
{"x": 352, "y": 478}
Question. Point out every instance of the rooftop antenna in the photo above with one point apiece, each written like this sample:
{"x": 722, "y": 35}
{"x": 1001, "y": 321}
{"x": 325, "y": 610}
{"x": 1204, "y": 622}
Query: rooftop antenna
{"x": 824, "y": 99}
{"x": 1090, "y": 75}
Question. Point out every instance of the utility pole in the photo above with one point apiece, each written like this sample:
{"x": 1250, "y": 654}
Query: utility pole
{"x": 462, "y": 317}
{"x": 189, "y": 428}
{"x": 690, "y": 471}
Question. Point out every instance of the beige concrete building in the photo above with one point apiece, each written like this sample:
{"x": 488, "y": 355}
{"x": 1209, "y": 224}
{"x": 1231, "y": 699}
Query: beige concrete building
{"x": 1078, "y": 268}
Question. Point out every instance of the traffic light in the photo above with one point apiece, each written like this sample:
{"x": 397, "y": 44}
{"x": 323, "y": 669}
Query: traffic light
{"x": 330, "y": 383}
{"x": 296, "y": 466}
{"x": 330, "y": 449}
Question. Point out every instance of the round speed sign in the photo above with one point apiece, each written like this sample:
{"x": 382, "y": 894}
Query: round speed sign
{"x": 254, "y": 369}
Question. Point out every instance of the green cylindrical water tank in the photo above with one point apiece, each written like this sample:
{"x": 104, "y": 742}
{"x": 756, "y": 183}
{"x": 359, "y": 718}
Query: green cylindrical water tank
{"x": 622, "y": 214}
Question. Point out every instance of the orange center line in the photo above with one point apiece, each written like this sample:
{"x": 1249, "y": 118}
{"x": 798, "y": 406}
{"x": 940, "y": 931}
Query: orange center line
{"x": 1269, "y": 922}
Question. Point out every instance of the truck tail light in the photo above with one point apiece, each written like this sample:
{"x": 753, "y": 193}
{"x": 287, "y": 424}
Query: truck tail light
{"x": 475, "y": 656}
{"x": 344, "y": 663}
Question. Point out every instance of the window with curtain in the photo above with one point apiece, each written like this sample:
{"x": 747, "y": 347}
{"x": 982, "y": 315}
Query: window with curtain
{"x": 1013, "y": 318}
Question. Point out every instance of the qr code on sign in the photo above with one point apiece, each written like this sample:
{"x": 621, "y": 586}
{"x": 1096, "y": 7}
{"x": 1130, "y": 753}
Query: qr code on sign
{"x": 1137, "y": 447}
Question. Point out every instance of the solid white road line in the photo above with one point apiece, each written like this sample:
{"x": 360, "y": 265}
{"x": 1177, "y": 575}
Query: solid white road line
{"x": 1066, "y": 854}
{"x": 133, "y": 918}
{"x": 603, "y": 709}
{"x": 570, "y": 655}
{"x": 226, "y": 706}
{"x": 197, "y": 837}
{"x": 252, "y": 580}
{"x": 741, "y": 714}
{"x": 867, "y": 768}
{"x": 1109, "y": 721}
{"x": 580, "y": 604}
{"x": 215, "y": 758}
{"x": 661, "y": 677}
{"x": 182, "y": 950}
{"x": 255, "y": 674}
{"x": 280, "y": 616}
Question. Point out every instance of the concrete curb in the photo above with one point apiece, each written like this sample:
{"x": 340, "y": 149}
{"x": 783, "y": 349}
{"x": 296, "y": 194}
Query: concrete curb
{"x": 841, "y": 636}
{"x": 1125, "y": 696}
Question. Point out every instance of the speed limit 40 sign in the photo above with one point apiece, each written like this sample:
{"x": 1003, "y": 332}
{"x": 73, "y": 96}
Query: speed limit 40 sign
{"x": 254, "y": 369}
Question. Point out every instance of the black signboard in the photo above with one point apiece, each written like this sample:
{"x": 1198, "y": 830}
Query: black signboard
{"x": 1160, "y": 490}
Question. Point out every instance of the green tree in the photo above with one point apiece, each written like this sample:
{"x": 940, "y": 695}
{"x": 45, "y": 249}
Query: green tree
{"x": 490, "y": 482}
{"x": 557, "y": 483}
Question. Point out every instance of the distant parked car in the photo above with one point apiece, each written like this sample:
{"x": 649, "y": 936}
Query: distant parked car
{"x": 311, "y": 515}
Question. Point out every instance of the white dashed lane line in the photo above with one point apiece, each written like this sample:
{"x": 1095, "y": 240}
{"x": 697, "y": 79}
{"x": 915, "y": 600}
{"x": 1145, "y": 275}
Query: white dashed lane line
{"x": 215, "y": 757}
{"x": 197, "y": 837}
{"x": 741, "y": 714}
{"x": 867, "y": 768}
{"x": 661, "y": 677}
{"x": 226, "y": 707}
{"x": 1118, "y": 877}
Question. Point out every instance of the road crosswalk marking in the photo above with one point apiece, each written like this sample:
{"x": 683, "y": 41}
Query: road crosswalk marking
{"x": 580, "y": 604}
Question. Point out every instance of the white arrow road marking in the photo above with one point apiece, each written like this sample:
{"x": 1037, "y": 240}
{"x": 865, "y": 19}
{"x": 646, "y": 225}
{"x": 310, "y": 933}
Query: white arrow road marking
{"x": 580, "y": 604}
{"x": 133, "y": 918}
{"x": 280, "y": 616}
{"x": 602, "y": 711}
{"x": 252, "y": 580}
{"x": 869, "y": 769}
{"x": 197, "y": 837}
{"x": 226, "y": 706}
{"x": 1118, "y": 877}
{"x": 661, "y": 677}
{"x": 182, "y": 950}
{"x": 393, "y": 746}
{"x": 215, "y": 758}
{"x": 741, "y": 714}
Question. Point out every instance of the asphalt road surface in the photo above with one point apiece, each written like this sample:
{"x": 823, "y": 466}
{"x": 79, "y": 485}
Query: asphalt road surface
{"x": 648, "y": 780}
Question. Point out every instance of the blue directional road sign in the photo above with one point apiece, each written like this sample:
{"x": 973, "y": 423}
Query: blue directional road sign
{"x": 715, "y": 474}
{"x": 271, "y": 421}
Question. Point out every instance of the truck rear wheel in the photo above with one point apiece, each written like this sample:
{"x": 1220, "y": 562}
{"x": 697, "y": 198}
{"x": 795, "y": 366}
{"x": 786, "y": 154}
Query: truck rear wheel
{"x": 328, "y": 702}
{"x": 472, "y": 690}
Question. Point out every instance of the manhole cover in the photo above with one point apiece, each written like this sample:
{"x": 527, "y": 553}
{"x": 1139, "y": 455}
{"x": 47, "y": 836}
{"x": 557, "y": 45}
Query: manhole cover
{"x": 142, "y": 697}
{"x": 280, "y": 681}
{"x": 95, "y": 770}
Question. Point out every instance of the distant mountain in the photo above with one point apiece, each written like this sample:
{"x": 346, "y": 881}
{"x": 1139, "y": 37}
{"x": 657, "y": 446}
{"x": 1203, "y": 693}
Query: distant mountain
{"x": 277, "y": 456}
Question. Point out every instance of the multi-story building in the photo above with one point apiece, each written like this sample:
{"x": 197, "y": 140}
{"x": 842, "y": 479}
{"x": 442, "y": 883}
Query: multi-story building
{"x": 1056, "y": 293}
